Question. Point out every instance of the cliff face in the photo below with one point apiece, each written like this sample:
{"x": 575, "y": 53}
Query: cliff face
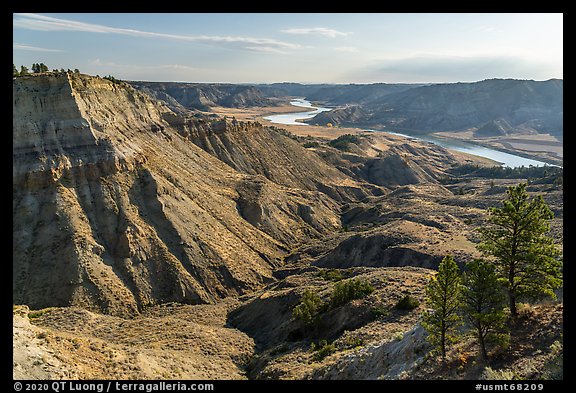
{"x": 251, "y": 148}
{"x": 202, "y": 96}
{"x": 113, "y": 209}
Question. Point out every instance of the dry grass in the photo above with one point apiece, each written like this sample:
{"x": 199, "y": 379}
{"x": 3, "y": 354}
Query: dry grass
{"x": 297, "y": 361}
{"x": 165, "y": 342}
{"x": 535, "y": 351}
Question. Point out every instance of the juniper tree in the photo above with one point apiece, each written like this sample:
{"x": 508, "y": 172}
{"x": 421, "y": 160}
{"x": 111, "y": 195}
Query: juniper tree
{"x": 483, "y": 304}
{"x": 307, "y": 310}
{"x": 39, "y": 67}
{"x": 524, "y": 256}
{"x": 444, "y": 298}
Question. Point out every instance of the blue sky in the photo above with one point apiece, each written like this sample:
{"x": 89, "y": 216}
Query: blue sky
{"x": 295, "y": 47}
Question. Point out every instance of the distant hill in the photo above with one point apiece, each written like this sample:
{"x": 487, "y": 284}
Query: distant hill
{"x": 357, "y": 93}
{"x": 202, "y": 96}
{"x": 335, "y": 94}
{"x": 290, "y": 89}
{"x": 521, "y": 105}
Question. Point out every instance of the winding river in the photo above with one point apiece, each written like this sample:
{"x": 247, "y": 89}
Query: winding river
{"x": 506, "y": 159}
{"x": 290, "y": 118}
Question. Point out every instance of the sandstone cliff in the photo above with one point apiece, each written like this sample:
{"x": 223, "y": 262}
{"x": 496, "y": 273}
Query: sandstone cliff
{"x": 113, "y": 209}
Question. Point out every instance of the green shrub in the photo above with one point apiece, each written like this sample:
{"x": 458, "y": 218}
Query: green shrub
{"x": 38, "y": 314}
{"x": 322, "y": 349}
{"x": 352, "y": 342}
{"x": 350, "y": 290}
{"x": 398, "y": 336}
{"x": 112, "y": 79}
{"x": 492, "y": 375}
{"x": 379, "y": 311}
{"x": 407, "y": 303}
{"x": 331, "y": 275}
{"x": 307, "y": 310}
{"x": 343, "y": 141}
{"x": 311, "y": 144}
{"x": 556, "y": 347}
{"x": 553, "y": 368}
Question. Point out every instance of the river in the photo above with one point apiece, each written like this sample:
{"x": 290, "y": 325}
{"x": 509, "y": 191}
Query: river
{"x": 290, "y": 118}
{"x": 506, "y": 159}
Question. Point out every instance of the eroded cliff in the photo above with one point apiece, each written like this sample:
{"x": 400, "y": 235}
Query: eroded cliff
{"x": 114, "y": 209}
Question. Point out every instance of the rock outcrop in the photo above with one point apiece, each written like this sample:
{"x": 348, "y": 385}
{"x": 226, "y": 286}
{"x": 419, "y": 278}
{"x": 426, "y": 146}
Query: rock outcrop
{"x": 113, "y": 209}
{"x": 202, "y": 96}
{"x": 254, "y": 149}
{"x": 389, "y": 360}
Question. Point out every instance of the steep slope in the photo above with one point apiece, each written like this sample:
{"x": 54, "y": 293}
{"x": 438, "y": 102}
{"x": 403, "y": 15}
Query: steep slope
{"x": 202, "y": 96}
{"x": 284, "y": 346}
{"x": 254, "y": 149}
{"x": 389, "y": 161}
{"x": 171, "y": 341}
{"x": 527, "y": 106}
{"x": 113, "y": 209}
{"x": 497, "y": 127}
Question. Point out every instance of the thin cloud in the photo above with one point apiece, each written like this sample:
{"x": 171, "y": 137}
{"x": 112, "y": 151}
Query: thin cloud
{"x": 118, "y": 66}
{"x": 323, "y": 31}
{"x": 442, "y": 68}
{"x": 265, "y": 49}
{"x": 349, "y": 49}
{"x": 33, "y": 48}
{"x": 47, "y": 23}
{"x": 178, "y": 67}
{"x": 487, "y": 29}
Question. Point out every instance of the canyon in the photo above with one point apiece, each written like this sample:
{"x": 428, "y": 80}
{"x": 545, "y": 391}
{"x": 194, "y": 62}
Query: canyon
{"x": 155, "y": 240}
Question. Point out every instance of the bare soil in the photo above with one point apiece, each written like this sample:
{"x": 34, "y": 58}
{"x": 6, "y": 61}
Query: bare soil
{"x": 172, "y": 341}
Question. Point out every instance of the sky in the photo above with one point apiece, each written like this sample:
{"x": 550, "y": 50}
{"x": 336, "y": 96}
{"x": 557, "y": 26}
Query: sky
{"x": 295, "y": 47}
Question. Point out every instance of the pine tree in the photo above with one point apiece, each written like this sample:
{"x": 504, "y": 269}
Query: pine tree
{"x": 444, "y": 298}
{"x": 35, "y": 68}
{"x": 23, "y": 70}
{"x": 42, "y": 67}
{"x": 483, "y": 304}
{"x": 524, "y": 256}
{"x": 14, "y": 70}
